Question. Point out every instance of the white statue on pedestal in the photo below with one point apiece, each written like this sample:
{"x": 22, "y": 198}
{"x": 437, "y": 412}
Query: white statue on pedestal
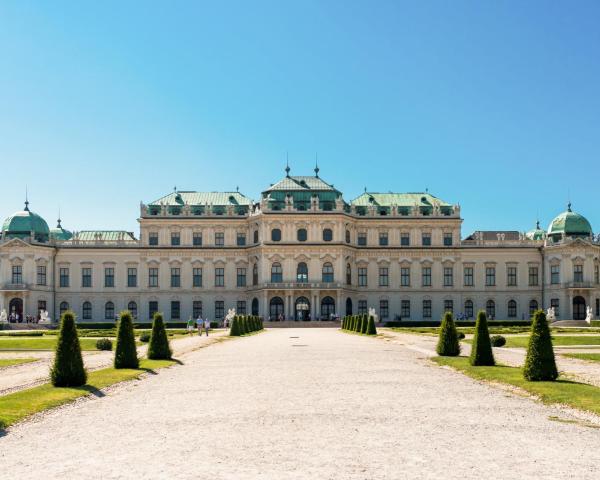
{"x": 3, "y": 317}
{"x": 44, "y": 317}
{"x": 229, "y": 317}
{"x": 550, "y": 314}
{"x": 373, "y": 314}
{"x": 590, "y": 315}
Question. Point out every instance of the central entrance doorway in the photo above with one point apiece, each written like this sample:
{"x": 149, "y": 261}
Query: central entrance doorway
{"x": 579, "y": 310}
{"x": 15, "y": 307}
{"x": 302, "y": 309}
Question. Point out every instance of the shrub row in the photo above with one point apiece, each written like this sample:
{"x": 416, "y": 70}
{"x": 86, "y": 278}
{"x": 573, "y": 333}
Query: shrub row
{"x": 459, "y": 323}
{"x": 137, "y": 325}
{"x": 244, "y": 324}
{"x": 363, "y": 324}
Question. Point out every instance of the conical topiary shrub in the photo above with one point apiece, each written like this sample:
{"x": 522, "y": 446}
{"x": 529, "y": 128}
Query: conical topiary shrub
{"x": 68, "y": 370}
{"x": 158, "y": 348}
{"x": 345, "y": 323}
{"x": 235, "y": 327}
{"x": 126, "y": 352}
{"x": 540, "y": 364}
{"x": 243, "y": 325}
{"x": 448, "y": 345}
{"x": 481, "y": 348}
{"x": 364, "y": 324}
{"x": 358, "y": 326}
{"x": 371, "y": 329}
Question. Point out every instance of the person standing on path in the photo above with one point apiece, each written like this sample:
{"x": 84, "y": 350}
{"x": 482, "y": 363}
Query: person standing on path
{"x": 199, "y": 324}
{"x": 206, "y": 326}
{"x": 190, "y": 326}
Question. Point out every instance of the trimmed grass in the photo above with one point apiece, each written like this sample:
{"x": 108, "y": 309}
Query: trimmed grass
{"x": 493, "y": 330}
{"x": 566, "y": 392}
{"x": 40, "y": 343}
{"x": 591, "y": 357}
{"x": 557, "y": 341}
{"x": 19, "y": 405}
{"x": 9, "y": 362}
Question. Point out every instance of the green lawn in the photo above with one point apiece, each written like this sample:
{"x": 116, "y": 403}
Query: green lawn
{"x": 493, "y": 330}
{"x": 40, "y": 343}
{"x": 561, "y": 340}
{"x": 17, "y": 406}
{"x": 7, "y": 362}
{"x": 577, "y": 395}
{"x": 592, "y": 357}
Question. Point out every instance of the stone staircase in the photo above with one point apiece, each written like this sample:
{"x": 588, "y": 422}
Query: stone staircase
{"x": 292, "y": 324}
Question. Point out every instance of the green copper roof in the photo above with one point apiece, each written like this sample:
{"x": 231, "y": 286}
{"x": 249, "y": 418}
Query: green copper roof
{"x": 59, "y": 233}
{"x": 537, "y": 233}
{"x": 21, "y": 224}
{"x": 399, "y": 199}
{"x": 301, "y": 184}
{"x": 570, "y": 224}
{"x": 104, "y": 235}
{"x": 202, "y": 198}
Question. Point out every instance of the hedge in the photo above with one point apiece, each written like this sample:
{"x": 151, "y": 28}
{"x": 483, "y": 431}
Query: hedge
{"x": 137, "y": 325}
{"x": 437, "y": 323}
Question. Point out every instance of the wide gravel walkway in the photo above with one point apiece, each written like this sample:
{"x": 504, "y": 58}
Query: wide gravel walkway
{"x": 324, "y": 405}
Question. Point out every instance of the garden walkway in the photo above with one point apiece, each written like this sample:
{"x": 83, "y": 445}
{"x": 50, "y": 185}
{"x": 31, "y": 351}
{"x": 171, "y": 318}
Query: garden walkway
{"x": 298, "y": 404}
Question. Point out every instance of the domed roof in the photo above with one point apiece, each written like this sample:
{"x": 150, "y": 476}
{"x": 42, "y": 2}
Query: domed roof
{"x": 537, "y": 233}
{"x": 570, "y": 224}
{"x": 59, "y": 233}
{"x": 22, "y": 224}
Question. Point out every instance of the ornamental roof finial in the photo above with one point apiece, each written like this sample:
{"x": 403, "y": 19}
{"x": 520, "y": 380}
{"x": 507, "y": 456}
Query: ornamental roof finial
{"x": 317, "y": 165}
{"x": 58, "y": 221}
{"x": 569, "y": 207}
{"x": 287, "y": 165}
{"x": 26, "y": 200}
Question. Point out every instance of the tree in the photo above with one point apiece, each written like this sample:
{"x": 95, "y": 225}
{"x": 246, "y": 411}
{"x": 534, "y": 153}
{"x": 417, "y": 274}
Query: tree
{"x": 371, "y": 329}
{"x": 158, "y": 348}
{"x": 481, "y": 350}
{"x": 358, "y": 326}
{"x": 540, "y": 364}
{"x": 68, "y": 370}
{"x": 126, "y": 351}
{"x": 243, "y": 325}
{"x": 235, "y": 327}
{"x": 448, "y": 345}
{"x": 345, "y": 322}
{"x": 363, "y": 325}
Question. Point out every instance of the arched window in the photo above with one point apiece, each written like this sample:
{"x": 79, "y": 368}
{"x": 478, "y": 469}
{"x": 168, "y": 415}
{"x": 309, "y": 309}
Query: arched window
{"x": 275, "y": 308}
{"x": 255, "y": 274}
{"x": 327, "y": 273}
{"x": 132, "y": 307}
{"x": 276, "y": 235}
{"x": 255, "y": 236}
{"x": 327, "y": 308}
{"x": 109, "y": 311}
{"x": 348, "y": 274}
{"x": 533, "y": 307}
{"x": 86, "y": 311}
{"x": 255, "y": 306}
{"x": 276, "y": 273}
{"x": 64, "y": 306}
{"x": 327, "y": 235}
{"x": 302, "y": 273}
{"x": 347, "y": 236}
{"x": 490, "y": 309}
{"x": 348, "y": 306}
{"x": 301, "y": 235}
{"x": 512, "y": 309}
{"x": 469, "y": 308}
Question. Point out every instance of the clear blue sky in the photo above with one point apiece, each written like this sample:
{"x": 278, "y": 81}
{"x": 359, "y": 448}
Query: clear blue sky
{"x": 493, "y": 105}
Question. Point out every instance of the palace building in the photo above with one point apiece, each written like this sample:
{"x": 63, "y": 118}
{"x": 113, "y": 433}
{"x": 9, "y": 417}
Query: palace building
{"x": 300, "y": 252}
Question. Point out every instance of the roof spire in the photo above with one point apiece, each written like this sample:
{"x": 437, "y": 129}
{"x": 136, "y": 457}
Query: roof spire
{"x": 287, "y": 164}
{"x": 569, "y": 206}
{"x": 26, "y": 200}
{"x": 58, "y": 221}
{"x": 317, "y": 165}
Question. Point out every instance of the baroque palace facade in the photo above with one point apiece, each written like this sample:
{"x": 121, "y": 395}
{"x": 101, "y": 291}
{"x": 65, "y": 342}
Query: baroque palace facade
{"x": 301, "y": 252}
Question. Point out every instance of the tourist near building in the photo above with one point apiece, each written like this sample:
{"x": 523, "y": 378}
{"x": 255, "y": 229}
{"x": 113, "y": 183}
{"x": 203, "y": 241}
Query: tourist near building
{"x": 300, "y": 252}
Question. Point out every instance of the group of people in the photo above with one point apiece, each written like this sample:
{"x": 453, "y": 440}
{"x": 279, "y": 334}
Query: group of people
{"x": 199, "y": 324}
{"x": 16, "y": 318}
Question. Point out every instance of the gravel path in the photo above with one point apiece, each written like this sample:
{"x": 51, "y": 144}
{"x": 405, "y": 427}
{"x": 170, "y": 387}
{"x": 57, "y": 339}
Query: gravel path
{"x": 324, "y": 405}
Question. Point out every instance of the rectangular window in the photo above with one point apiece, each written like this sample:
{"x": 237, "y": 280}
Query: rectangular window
{"x": 448, "y": 276}
{"x": 41, "y": 275}
{"x": 383, "y": 239}
{"x": 219, "y": 309}
{"x": 197, "y": 277}
{"x": 175, "y": 239}
{"x": 152, "y": 309}
{"x": 490, "y": 276}
{"x": 175, "y": 277}
{"x": 362, "y": 276}
{"x": 362, "y": 307}
{"x": 197, "y": 239}
{"x": 405, "y": 309}
{"x": 426, "y": 276}
{"x": 447, "y": 239}
{"x": 109, "y": 277}
{"x": 468, "y": 274}
{"x": 175, "y": 310}
{"x": 384, "y": 309}
{"x": 153, "y": 238}
{"x": 362, "y": 239}
{"x": 448, "y": 306}
{"x": 405, "y": 277}
{"x": 597, "y": 275}
{"x": 598, "y": 307}
{"x": 404, "y": 239}
{"x": 533, "y": 276}
{"x": 426, "y": 239}
{"x": 241, "y": 239}
{"x": 219, "y": 239}
{"x": 511, "y": 276}
{"x": 383, "y": 277}
{"x": 86, "y": 277}
{"x": 153, "y": 277}
{"x": 197, "y": 309}
{"x": 17, "y": 274}
{"x": 64, "y": 277}
{"x": 241, "y": 277}
{"x": 554, "y": 303}
{"x": 426, "y": 308}
{"x": 132, "y": 277}
{"x": 555, "y": 274}
{"x": 241, "y": 307}
{"x": 219, "y": 277}
{"x": 578, "y": 273}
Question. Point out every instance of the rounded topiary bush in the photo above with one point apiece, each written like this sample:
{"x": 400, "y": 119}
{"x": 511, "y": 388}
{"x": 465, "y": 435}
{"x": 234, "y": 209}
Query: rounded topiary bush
{"x": 159, "y": 348}
{"x": 126, "y": 351}
{"x": 448, "y": 345}
{"x": 104, "y": 344}
{"x": 145, "y": 337}
{"x": 67, "y": 369}
{"x": 498, "y": 341}
{"x": 540, "y": 364}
